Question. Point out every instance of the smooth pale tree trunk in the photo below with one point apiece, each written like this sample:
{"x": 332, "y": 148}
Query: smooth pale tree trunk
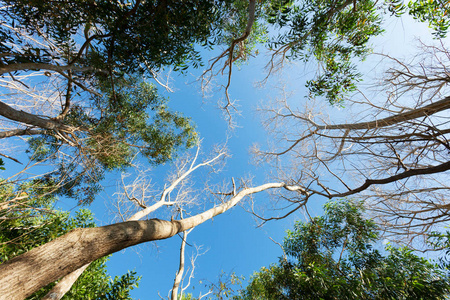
{"x": 179, "y": 275}
{"x": 65, "y": 283}
{"x": 26, "y": 273}
{"x": 427, "y": 110}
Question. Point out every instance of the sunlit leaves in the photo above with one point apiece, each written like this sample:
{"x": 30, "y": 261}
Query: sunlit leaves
{"x": 435, "y": 13}
{"x": 333, "y": 257}
{"x": 331, "y": 32}
{"x": 158, "y": 33}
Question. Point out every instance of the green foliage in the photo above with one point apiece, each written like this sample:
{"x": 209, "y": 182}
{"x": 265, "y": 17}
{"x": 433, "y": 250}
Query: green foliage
{"x": 37, "y": 223}
{"x": 132, "y": 114}
{"x": 23, "y": 207}
{"x": 441, "y": 240}
{"x": 233, "y": 24}
{"x": 119, "y": 288}
{"x": 122, "y": 34}
{"x": 435, "y": 13}
{"x": 128, "y": 118}
{"x": 333, "y": 257}
{"x": 331, "y": 32}
{"x": 336, "y": 34}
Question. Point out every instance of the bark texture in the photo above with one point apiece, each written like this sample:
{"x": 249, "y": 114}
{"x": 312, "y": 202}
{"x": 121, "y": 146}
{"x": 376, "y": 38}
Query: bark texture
{"x": 23, "y": 275}
{"x": 64, "y": 285}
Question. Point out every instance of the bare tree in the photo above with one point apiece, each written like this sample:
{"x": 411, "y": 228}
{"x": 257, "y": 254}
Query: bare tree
{"x": 394, "y": 153}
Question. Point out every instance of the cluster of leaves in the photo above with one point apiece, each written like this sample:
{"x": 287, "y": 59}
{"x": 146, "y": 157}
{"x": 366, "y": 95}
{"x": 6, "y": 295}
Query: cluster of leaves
{"x": 441, "y": 241}
{"x": 333, "y": 257}
{"x": 26, "y": 227}
{"x": 335, "y": 34}
{"x": 130, "y": 115}
{"x": 331, "y": 32}
{"x": 129, "y": 118}
{"x": 233, "y": 25}
{"x": 122, "y": 34}
{"x": 435, "y": 13}
{"x": 23, "y": 205}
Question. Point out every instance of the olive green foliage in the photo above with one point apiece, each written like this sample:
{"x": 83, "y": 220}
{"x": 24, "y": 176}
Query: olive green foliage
{"x": 333, "y": 257}
{"x": 119, "y": 34}
{"x": 127, "y": 119}
{"x": 435, "y": 13}
{"x": 331, "y": 32}
{"x": 37, "y": 223}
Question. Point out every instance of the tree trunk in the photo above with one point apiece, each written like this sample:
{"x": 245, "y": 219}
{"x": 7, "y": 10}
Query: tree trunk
{"x": 30, "y": 119}
{"x": 427, "y": 110}
{"x": 23, "y": 275}
{"x": 179, "y": 275}
{"x": 64, "y": 285}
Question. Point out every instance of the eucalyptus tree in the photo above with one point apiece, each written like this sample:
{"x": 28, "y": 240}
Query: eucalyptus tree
{"x": 25, "y": 274}
{"x": 88, "y": 108}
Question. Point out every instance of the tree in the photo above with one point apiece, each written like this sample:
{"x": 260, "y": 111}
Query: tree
{"x": 68, "y": 253}
{"x": 335, "y": 256}
{"x": 95, "y": 104}
{"x": 393, "y": 153}
{"x": 23, "y": 233}
{"x": 109, "y": 239}
{"x": 102, "y": 110}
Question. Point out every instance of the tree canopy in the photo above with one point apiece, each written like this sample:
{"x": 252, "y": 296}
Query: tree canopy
{"x": 75, "y": 95}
